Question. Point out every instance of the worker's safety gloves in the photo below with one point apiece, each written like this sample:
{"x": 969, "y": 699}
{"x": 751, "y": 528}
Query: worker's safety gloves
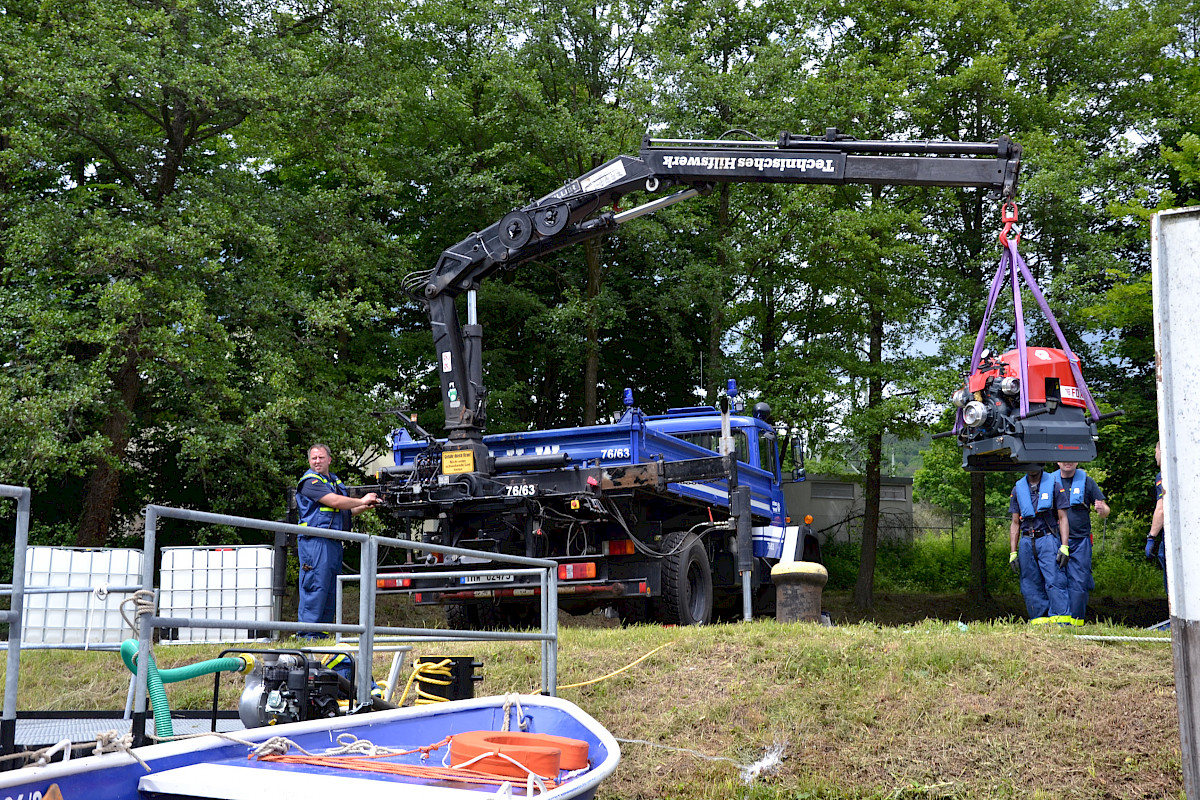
{"x": 1151, "y": 547}
{"x": 1064, "y": 555}
{"x": 1014, "y": 564}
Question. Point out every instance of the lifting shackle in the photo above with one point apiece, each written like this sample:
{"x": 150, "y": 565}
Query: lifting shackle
{"x": 1008, "y": 215}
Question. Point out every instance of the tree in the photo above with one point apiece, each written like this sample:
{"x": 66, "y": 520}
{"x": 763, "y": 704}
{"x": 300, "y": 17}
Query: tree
{"x": 154, "y": 310}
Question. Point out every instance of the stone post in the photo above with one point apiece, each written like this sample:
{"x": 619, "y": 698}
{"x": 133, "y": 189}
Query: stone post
{"x": 798, "y": 587}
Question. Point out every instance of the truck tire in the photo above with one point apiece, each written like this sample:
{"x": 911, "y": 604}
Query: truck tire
{"x": 472, "y": 617}
{"x": 687, "y": 584}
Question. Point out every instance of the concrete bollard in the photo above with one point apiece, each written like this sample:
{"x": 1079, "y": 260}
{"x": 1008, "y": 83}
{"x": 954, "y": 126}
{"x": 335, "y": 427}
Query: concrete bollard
{"x": 798, "y": 591}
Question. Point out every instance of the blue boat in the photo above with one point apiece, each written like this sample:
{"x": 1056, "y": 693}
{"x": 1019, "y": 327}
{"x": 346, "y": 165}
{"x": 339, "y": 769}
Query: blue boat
{"x": 444, "y": 751}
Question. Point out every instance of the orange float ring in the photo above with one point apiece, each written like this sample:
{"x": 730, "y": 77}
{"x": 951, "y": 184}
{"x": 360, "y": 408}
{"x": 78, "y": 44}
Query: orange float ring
{"x": 543, "y": 754}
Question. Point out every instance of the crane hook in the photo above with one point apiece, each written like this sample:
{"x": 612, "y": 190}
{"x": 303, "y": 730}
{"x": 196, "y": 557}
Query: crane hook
{"x": 1008, "y": 215}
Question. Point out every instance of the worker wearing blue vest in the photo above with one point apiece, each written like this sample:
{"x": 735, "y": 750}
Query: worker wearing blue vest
{"x": 1083, "y": 495}
{"x": 1038, "y": 537}
{"x": 323, "y": 503}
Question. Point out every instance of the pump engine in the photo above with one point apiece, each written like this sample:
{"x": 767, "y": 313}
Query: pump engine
{"x": 994, "y": 437}
{"x": 287, "y": 686}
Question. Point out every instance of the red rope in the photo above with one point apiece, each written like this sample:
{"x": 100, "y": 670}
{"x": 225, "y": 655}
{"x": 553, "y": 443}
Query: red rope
{"x": 371, "y": 764}
{"x": 361, "y": 763}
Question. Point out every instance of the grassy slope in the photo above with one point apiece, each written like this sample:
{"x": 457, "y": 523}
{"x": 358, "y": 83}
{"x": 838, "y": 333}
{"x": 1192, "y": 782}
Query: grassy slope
{"x": 863, "y": 711}
{"x": 922, "y": 710}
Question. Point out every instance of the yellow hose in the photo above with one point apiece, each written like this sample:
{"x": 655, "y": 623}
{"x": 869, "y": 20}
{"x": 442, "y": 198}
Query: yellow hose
{"x": 429, "y": 672}
{"x": 439, "y": 674}
{"x": 617, "y": 671}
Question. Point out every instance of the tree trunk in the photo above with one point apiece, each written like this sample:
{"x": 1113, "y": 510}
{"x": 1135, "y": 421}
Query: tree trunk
{"x": 864, "y": 587}
{"x": 768, "y": 340}
{"x": 716, "y": 322}
{"x": 977, "y": 589}
{"x": 103, "y": 485}
{"x": 591, "y": 369}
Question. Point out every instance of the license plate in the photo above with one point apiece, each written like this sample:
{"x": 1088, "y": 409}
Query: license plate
{"x": 487, "y": 579}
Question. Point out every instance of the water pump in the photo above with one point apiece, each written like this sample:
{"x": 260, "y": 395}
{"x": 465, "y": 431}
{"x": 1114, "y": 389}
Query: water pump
{"x": 288, "y": 686}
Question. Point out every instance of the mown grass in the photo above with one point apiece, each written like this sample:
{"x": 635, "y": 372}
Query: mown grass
{"x": 930, "y": 710}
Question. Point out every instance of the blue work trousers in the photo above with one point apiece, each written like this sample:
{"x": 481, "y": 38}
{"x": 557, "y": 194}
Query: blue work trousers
{"x": 1043, "y": 584}
{"x": 320, "y": 563}
{"x": 1159, "y": 557}
{"x": 1079, "y": 577}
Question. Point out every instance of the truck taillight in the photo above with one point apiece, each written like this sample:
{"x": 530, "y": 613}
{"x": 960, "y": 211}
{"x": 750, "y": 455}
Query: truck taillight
{"x": 617, "y": 547}
{"x": 392, "y": 583}
{"x": 576, "y": 572}
{"x": 808, "y": 519}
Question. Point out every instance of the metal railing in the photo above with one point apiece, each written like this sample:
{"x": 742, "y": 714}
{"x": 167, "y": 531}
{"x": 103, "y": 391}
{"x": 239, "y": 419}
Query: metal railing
{"x": 544, "y": 569}
{"x": 8, "y": 721}
{"x": 366, "y": 630}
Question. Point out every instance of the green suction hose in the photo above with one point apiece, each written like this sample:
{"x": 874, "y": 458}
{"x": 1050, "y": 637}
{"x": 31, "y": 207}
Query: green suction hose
{"x": 156, "y": 678}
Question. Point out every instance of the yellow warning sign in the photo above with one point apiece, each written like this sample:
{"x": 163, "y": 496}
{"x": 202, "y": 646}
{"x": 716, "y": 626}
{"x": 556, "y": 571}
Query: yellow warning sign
{"x": 457, "y": 461}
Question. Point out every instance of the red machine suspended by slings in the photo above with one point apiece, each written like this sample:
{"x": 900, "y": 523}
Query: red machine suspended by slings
{"x": 1031, "y": 405}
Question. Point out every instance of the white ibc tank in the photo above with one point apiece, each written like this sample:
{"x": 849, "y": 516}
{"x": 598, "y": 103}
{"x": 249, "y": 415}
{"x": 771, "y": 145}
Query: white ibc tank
{"x": 92, "y": 617}
{"x": 216, "y": 583}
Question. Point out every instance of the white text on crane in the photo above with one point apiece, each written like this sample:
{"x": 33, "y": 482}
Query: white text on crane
{"x": 724, "y": 163}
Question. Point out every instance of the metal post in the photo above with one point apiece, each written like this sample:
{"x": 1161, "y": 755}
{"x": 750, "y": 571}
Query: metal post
{"x": 544, "y": 616}
{"x": 144, "y": 631}
{"x": 278, "y": 576}
{"x": 550, "y": 626}
{"x": 15, "y": 617}
{"x": 745, "y": 543}
{"x": 1174, "y": 253}
{"x": 366, "y": 618}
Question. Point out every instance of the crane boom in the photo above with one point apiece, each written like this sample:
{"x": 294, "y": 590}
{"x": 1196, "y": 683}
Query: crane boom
{"x": 683, "y": 167}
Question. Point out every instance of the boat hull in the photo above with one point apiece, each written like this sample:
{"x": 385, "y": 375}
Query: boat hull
{"x": 216, "y": 767}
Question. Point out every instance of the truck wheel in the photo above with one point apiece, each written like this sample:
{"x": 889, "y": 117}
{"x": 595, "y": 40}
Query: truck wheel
{"x": 687, "y": 589}
{"x": 518, "y": 616}
{"x": 471, "y": 617}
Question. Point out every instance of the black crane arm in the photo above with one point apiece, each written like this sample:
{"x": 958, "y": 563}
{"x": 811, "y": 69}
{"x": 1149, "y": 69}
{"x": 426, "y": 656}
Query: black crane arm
{"x": 685, "y": 167}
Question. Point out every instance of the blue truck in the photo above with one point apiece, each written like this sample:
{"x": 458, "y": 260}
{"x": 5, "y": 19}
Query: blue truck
{"x": 664, "y": 517}
{"x": 641, "y": 515}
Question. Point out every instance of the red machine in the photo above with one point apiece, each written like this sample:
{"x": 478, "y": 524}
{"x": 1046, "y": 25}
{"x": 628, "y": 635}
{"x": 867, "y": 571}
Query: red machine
{"x": 1003, "y": 431}
{"x": 1049, "y": 376}
{"x": 1031, "y": 405}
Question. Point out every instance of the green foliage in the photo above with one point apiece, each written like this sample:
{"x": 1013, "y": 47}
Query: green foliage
{"x": 940, "y": 564}
{"x": 207, "y": 212}
{"x": 927, "y": 565}
{"x": 942, "y": 481}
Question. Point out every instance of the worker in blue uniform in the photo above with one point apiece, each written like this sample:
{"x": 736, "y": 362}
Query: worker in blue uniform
{"x": 1038, "y": 544}
{"x": 1156, "y": 541}
{"x": 323, "y": 503}
{"x": 1083, "y": 495}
